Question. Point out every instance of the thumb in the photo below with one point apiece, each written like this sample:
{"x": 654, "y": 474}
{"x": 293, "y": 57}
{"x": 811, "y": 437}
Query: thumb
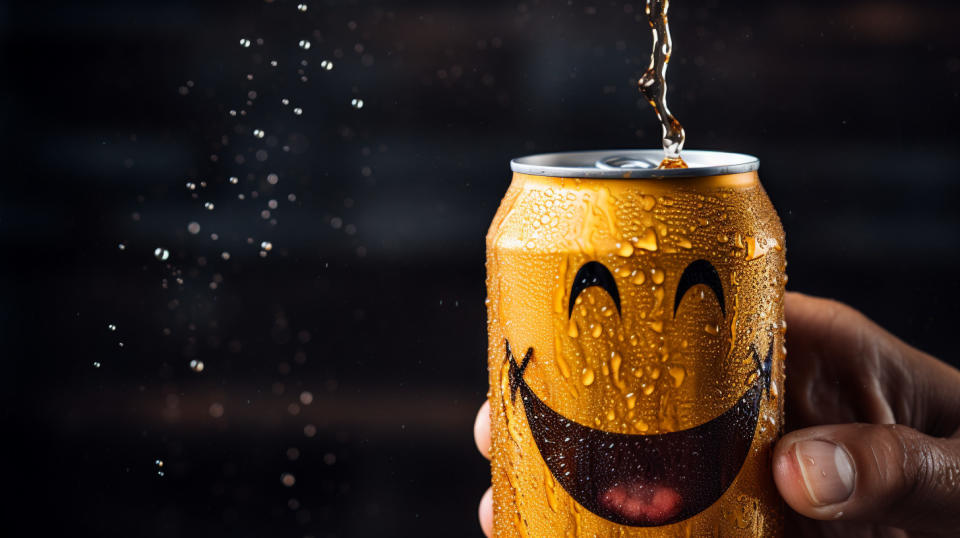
{"x": 885, "y": 474}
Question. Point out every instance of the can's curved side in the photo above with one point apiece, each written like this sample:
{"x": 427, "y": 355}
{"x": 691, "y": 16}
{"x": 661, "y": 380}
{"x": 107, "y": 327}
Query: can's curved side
{"x": 644, "y": 313}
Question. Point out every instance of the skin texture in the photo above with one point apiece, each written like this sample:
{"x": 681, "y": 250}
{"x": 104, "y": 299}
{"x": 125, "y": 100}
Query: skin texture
{"x": 893, "y": 410}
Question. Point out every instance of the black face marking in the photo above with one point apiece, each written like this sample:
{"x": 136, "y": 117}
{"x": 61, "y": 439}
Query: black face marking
{"x": 515, "y": 379}
{"x": 644, "y": 480}
{"x": 593, "y": 274}
{"x": 699, "y": 272}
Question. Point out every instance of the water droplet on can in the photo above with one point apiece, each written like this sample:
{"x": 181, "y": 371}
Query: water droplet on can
{"x": 648, "y": 241}
{"x": 587, "y": 377}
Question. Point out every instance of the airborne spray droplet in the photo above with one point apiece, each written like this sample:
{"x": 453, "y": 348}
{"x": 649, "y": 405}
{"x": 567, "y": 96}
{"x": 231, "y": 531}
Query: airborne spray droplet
{"x": 653, "y": 84}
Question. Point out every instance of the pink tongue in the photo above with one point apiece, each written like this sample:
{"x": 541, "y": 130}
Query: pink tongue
{"x": 642, "y": 503}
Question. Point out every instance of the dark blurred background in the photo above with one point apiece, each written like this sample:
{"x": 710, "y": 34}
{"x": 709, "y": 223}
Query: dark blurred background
{"x": 337, "y": 309}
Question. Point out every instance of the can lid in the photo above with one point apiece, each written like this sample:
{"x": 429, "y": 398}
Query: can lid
{"x": 632, "y": 164}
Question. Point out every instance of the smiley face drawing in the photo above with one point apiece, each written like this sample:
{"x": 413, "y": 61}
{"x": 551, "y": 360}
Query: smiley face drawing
{"x": 636, "y": 366}
{"x": 637, "y": 479}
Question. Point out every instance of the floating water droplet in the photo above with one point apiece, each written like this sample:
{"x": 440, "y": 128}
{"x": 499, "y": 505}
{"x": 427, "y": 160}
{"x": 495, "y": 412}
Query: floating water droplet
{"x": 326, "y": 64}
{"x": 122, "y": 246}
{"x": 234, "y": 180}
{"x": 112, "y": 327}
{"x": 245, "y": 43}
{"x": 304, "y": 44}
{"x": 96, "y": 364}
{"x": 288, "y": 479}
{"x": 285, "y": 101}
{"x": 273, "y": 63}
{"x": 208, "y": 206}
{"x": 161, "y": 254}
{"x": 225, "y": 255}
{"x": 298, "y": 111}
{"x": 159, "y": 464}
{"x": 259, "y": 133}
{"x": 193, "y": 228}
{"x": 301, "y": 7}
{"x": 191, "y": 185}
{"x": 356, "y": 103}
{"x": 196, "y": 366}
{"x": 273, "y": 179}
{"x": 266, "y": 245}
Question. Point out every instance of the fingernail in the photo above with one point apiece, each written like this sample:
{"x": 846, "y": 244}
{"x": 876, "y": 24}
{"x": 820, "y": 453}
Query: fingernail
{"x": 827, "y": 471}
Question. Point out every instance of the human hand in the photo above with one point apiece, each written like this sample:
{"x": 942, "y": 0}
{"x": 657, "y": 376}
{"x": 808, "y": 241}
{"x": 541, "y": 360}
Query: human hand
{"x": 875, "y": 443}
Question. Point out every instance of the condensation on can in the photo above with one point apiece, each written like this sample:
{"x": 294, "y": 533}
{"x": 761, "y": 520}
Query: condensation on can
{"x": 636, "y": 346}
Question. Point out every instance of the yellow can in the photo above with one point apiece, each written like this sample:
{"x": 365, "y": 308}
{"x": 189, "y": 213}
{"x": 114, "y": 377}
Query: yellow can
{"x": 635, "y": 321}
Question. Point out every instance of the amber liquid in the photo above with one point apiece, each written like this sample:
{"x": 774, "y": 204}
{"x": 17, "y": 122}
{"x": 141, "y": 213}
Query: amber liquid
{"x": 653, "y": 83}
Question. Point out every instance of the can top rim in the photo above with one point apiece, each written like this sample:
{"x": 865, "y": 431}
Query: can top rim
{"x": 632, "y": 164}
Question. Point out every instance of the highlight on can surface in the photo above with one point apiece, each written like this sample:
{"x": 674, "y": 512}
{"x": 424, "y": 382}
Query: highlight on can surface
{"x": 635, "y": 347}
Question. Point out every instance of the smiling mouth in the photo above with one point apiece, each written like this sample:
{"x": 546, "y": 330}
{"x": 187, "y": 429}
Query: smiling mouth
{"x": 644, "y": 480}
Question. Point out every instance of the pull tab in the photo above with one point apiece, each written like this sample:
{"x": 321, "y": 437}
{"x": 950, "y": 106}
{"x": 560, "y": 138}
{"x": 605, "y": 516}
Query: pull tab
{"x": 623, "y": 162}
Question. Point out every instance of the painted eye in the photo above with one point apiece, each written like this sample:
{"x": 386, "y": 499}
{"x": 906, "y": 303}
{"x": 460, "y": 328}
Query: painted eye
{"x": 699, "y": 272}
{"x": 593, "y": 274}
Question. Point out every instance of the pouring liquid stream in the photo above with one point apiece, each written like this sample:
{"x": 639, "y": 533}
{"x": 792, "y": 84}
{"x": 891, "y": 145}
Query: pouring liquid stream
{"x": 653, "y": 84}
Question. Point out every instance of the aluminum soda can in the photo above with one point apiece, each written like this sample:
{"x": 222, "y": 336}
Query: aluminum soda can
{"x": 636, "y": 346}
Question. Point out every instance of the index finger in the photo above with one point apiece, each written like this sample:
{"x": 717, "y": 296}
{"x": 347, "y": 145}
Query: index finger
{"x": 884, "y": 380}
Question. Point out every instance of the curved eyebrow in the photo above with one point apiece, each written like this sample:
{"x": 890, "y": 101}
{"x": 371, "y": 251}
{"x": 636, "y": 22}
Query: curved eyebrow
{"x": 593, "y": 274}
{"x": 699, "y": 272}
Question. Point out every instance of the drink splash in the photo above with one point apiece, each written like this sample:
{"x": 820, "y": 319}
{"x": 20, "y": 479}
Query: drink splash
{"x": 653, "y": 83}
